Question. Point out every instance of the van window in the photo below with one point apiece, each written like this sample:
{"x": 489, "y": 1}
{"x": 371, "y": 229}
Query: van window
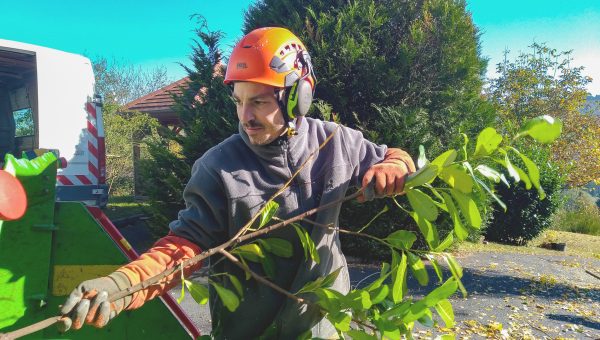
{"x": 24, "y": 122}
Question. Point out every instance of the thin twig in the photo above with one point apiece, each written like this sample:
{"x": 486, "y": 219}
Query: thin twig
{"x": 260, "y": 278}
{"x": 277, "y": 288}
{"x": 30, "y": 329}
{"x": 592, "y": 274}
{"x": 344, "y": 231}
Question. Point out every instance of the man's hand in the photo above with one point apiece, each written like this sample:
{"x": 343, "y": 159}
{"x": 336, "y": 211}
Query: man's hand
{"x": 389, "y": 175}
{"x": 89, "y": 302}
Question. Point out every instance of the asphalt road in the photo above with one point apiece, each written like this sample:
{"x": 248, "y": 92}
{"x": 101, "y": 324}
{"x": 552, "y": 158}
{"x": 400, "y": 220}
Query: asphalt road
{"x": 509, "y": 296}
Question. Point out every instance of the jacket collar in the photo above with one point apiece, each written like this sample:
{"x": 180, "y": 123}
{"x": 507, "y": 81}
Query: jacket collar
{"x": 275, "y": 150}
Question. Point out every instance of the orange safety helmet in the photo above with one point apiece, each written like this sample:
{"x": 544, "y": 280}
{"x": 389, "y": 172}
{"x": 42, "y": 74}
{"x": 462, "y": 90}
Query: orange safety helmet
{"x": 275, "y": 56}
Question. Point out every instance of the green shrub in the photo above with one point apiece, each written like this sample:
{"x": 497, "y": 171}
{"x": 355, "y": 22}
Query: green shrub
{"x": 579, "y": 215}
{"x": 527, "y": 216}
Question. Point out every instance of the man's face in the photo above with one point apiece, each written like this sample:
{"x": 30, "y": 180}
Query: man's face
{"x": 258, "y": 111}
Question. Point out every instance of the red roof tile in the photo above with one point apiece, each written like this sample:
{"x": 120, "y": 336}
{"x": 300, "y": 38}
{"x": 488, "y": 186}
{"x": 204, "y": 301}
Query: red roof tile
{"x": 159, "y": 104}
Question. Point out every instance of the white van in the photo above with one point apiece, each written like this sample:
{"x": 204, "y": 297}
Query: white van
{"x": 47, "y": 102}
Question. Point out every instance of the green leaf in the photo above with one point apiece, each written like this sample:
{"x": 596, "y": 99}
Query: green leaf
{"x": 198, "y": 291}
{"x": 322, "y": 282}
{"x": 427, "y": 319}
{"x": 444, "y": 309}
{"x": 397, "y": 311}
{"x": 488, "y": 172}
{"x": 422, "y": 160}
{"x": 544, "y": 129}
{"x": 307, "y": 243}
{"x": 533, "y": 173}
{"x": 523, "y": 176}
{"x": 182, "y": 294}
{"x": 440, "y": 293}
{"x": 445, "y": 159}
{"x": 428, "y": 230}
{"x": 358, "y": 300}
{"x": 456, "y": 271}
{"x": 403, "y": 239}
{"x": 418, "y": 269}
{"x": 277, "y": 246}
{"x": 388, "y": 329}
{"x": 436, "y": 267}
{"x": 424, "y": 175}
{"x": 379, "y": 294}
{"x": 448, "y": 336}
{"x": 229, "y": 299}
{"x": 446, "y": 243}
{"x": 512, "y": 172}
{"x": 422, "y": 204}
{"x": 329, "y": 299}
{"x": 356, "y": 334}
{"x": 268, "y": 265}
{"x": 487, "y": 142}
{"x": 384, "y": 210}
{"x": 468, "y": 207}
{"x": 459, "y": 229}
{"x": 268, "y": 212}
{"x": 340, "y": 320}
{"x": 489, "y": 191}
{"x": 251, "y": 252}
{"x": 415, "y": 312}
{"x": 465, "y": 143}
{"x": 246, "y": 272}
{"x": 236, "y": 284}
{"x": 399, "y": 279}
{"x": 456, "y": 177}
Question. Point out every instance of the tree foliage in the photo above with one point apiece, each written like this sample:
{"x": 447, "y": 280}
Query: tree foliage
{"x": 207, "y": 115}
{"x": 123, "y": 133}
{"x": 119, "y": 83}
{"x": 544, "y": 81}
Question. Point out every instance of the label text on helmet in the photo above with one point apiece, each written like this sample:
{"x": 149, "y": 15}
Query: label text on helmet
{"x": 242, "y": 65}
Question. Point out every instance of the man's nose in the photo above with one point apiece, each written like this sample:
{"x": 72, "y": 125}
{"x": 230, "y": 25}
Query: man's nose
{"x": 247, "y": 113}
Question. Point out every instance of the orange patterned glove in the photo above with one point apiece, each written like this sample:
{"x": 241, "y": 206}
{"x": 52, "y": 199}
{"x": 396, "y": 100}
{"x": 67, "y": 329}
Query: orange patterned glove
{"x": 389, "y": 175}
{"x": 88, "y": 303}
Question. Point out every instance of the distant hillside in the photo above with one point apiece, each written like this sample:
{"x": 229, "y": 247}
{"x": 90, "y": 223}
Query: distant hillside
{"x": 592, "y": 104}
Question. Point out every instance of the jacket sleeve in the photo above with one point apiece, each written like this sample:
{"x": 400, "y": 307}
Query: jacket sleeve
{"x": 362, "y": 153}
{"x": 204, "y": 220}
{"x": 166, "y": 253}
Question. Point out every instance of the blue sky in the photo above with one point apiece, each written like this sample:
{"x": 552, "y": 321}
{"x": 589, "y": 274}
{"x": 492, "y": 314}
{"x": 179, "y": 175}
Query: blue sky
{"x": 157, "y": 32}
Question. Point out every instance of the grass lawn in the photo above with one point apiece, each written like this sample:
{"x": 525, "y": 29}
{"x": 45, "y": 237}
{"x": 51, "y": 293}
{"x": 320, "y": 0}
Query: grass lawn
{"x": 577, "y": 244}
{"x": 120, "y": 207}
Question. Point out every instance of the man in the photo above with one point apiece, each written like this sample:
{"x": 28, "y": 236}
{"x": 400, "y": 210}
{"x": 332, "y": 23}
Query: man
{"x": 273, "y": 83}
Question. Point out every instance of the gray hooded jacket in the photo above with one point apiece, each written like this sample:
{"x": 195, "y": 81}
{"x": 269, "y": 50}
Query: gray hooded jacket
{"x": 231, "y": 181}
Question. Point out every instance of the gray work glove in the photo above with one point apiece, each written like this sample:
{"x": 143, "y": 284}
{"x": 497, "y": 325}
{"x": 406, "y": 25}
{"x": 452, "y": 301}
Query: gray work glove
{"x": 89, "y": 303}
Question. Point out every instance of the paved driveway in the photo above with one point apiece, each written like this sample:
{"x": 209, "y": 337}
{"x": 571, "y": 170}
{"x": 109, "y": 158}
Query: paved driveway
{"x": 510, "y": 296}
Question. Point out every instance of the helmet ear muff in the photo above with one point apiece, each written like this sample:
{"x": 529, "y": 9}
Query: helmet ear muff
{"x": 299, "y": 98}
{"x": 300, "y": 95}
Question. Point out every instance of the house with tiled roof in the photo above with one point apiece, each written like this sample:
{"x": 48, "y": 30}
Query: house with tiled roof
{"x": 159, "y": 104}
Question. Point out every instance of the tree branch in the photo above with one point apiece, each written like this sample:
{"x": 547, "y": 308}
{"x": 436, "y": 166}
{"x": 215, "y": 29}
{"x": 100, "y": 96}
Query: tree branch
{"x": 260, "y": 278}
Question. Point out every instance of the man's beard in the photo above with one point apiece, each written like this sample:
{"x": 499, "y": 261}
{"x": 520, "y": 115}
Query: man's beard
{"x": 267, "y": 135}
{"x": 260, "y": 139}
